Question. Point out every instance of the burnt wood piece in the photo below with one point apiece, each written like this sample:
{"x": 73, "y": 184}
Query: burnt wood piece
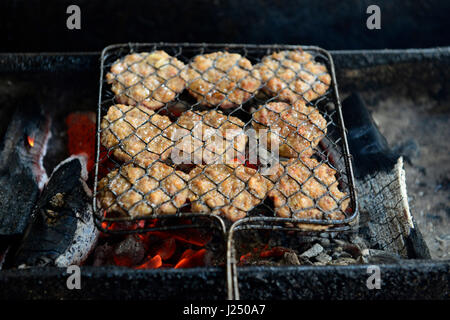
{"x": 385, "y": 218}
{"x": 368, "y": 147}
{"x": 62, "y": 232}
{"x": 386, "y": 221}
{"x": 22, "y": 175}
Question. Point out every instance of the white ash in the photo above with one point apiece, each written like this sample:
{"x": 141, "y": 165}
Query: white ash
{"x": 84, "y": 240}
{"x": 291, "y": 258}
{"x": 323, "y": 258}
{"x": 313, "y": 251}
{"x": 86, "y": 234}
{"x": 379, "y": 257}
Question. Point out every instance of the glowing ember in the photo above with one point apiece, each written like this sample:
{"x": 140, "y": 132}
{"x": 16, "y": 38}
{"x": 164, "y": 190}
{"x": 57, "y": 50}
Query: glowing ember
{"x": 151, "y": 263}
{"x": 122, "y": 261}
{"x": 275, "y": 252}
{"x": 81, "y": 131}
{"x": 166, "y": 249}
{"x": 30, "y": 141}
{"x": 245, "y": 258}
{"x": 163, "y": 249}
{"x": 191, "y": 258}
{"x": 262, "y": 252}
{"x": 190, "y": 236}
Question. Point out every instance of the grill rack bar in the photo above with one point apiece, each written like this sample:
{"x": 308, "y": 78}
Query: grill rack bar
{"x": 131, "y": 47}
{"x": 269, "y": 223}
{"x": 218, "y": 222}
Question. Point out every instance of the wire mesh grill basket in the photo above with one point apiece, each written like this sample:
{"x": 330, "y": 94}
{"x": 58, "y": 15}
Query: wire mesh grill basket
{"x": 230, "y": 132}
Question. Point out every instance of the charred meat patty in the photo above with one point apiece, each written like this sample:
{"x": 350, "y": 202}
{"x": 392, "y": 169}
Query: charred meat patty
{"x": 208, "y": 137}
{"x": 296, "y": 128}
{"x": 149, "y": 79}
{"x": 134, "y": 191}
{"x": 307, "y": 189}
{"x": 222, "y": 79}
{"x": 293, "y": 75}
{"x": 136, "y": 133}
{"x": 229, "y": 191}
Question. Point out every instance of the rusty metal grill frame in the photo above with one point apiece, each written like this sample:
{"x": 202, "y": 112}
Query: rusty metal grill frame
{"x": 120, "y": 50}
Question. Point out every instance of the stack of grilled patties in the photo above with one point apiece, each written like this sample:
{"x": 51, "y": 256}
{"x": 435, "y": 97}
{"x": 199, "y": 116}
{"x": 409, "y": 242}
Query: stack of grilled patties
{"x": 144, "y": 139}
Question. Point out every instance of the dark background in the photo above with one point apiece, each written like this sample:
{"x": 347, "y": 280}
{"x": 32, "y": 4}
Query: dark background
{"x": 37, "y": 26}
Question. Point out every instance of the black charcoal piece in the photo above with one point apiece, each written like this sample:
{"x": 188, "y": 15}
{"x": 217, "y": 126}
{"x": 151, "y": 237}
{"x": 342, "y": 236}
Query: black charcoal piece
{"x": 62, "y": 231}
{"x": 22, "y": 175}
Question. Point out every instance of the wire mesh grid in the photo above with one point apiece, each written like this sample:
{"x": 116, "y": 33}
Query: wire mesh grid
{"x": 180, "y": 129}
